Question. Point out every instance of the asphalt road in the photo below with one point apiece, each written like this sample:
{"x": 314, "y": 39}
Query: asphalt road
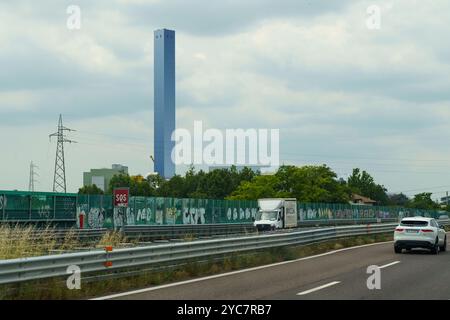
{"x": 339, "y": 275}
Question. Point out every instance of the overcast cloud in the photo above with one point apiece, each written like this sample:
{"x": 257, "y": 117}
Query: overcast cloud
{"x": 340, "y": 93}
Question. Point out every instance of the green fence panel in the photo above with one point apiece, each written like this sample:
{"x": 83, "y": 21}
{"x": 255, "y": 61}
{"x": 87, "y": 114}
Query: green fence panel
{"x": 65, "y": 207}
{"x": 43, "y": 207}
{"x": 96, "y": 214}
{"x": 138, "y": 207}
{"x": 108, "y": 213}
{"x": 159, "y": 211}
{"x": 17, "y": 207}
{"x": 178, "y": 207}
{"x": 170, "y": 212}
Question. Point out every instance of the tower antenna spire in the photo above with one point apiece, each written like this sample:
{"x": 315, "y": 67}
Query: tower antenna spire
{"x": 59, "y": 178}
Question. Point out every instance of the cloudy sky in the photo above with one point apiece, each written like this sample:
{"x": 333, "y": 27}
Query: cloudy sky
{"x": 340, "y": 93}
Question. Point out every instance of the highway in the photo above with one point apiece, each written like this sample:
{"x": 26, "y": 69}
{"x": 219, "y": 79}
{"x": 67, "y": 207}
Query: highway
{"x": 336, "y": 275}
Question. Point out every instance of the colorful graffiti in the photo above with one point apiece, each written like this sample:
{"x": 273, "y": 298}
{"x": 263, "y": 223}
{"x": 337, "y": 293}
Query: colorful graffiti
{"x": 96, "y": 216}
{"x": 98, "y": 211}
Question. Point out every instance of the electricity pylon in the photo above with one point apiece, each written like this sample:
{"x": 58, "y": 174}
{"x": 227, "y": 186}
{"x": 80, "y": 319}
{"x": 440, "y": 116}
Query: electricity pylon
{"x": 59, "y": 178}
{"x": 33, "y": 173}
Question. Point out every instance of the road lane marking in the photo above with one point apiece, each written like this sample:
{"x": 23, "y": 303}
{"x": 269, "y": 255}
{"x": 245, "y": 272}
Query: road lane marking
{"x": 169, "y": 285}
{"x": 318, "y": 288}
{"x": 389, "y": 264}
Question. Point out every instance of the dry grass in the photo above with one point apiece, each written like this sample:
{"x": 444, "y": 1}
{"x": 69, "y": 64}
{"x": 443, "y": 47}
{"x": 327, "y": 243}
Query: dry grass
{"x": 112, "y": 238}
{"x": 19, "y": 241}
{"x": 29, "y": 241}
{"x": 189, "y": 237}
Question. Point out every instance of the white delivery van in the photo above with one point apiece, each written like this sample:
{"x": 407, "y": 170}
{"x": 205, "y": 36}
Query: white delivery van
{"x": 276, "y": 213}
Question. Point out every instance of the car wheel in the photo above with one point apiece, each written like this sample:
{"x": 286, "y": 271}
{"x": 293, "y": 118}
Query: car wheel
{"x": 397, "y": 249}
{"x": 435, "y": 249}
{"x": 444, "y": 247}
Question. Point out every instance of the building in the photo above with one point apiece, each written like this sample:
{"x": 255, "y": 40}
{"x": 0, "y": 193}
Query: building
{"x": 102, "y": 177}
{"x": 164, "y": 101}
{"x": 357, "y": 199}
{"x": 445, "y": 200}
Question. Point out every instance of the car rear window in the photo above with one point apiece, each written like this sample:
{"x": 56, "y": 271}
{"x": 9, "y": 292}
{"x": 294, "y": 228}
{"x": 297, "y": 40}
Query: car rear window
{"x": 414, "y": 223}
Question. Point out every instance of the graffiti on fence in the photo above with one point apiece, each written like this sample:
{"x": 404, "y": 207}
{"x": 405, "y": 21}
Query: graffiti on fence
{"x": 2, "y": 202}
{"x": 44, "y": 211}
{"x": 194, "y": 215}
{"x": 347, "y": 213}
{"x": 95, "y": 217}
{"x": 144, "y": 216}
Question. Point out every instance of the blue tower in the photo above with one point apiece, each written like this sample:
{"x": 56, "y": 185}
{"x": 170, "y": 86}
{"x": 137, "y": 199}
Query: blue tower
{"x": 164, "y": 98}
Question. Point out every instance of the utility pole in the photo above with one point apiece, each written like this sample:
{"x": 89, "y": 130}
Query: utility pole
{"x": 59, "y": 178}
{"x": 32, "y": 180}
{"x": 447, "y": 199}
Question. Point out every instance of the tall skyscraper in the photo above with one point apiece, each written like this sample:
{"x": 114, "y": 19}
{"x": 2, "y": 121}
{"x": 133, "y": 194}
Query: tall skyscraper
{"x": 164, "y": 97}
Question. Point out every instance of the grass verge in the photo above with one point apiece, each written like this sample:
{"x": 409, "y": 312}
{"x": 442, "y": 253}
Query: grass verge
{"x": 56, "y": 288}
{"x": 29, "y": 241}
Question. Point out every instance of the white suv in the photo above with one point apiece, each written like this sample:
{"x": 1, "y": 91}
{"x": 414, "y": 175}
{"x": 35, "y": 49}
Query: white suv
{"x": 420, "y": 232}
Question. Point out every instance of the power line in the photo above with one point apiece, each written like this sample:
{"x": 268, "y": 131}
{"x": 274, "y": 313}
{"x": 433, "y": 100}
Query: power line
{"x": 363, "y": 158}
{"x": 90, "y": 133}
{"x": 359, "y": 164}
{"x": 430, "y": 188}
{"x": 59, "y": 178}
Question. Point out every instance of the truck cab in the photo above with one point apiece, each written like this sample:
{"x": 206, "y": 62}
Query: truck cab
{"x": 276, "y": 214}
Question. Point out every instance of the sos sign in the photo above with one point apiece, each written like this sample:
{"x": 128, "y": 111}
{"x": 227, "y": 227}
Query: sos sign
{"x": 121, "y": 196}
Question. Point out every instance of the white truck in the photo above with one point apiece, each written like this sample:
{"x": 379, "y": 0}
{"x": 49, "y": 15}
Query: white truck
{"x": 277, "y": 213}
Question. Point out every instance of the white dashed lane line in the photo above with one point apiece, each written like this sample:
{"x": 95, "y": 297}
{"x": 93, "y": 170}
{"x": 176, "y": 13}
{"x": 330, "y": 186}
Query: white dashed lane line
{"x": 318, "y": 288}
{"x": 389, "y": 264}
{"x": 337, "y": 282}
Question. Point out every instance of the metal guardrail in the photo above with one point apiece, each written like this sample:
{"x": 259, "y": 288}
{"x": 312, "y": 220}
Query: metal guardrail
{"x": 24, "y": 269}
{"x": 336, "y": 222}
{"x": 180, "y": 231}
{"x": 145, "y": 232}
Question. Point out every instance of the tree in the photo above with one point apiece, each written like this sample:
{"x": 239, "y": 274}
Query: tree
{"x": 175, "y": 187}
{"x": 119, "y": 181}
{"x": 363, "y": 184}
{"x": 155, "y": 181}
{"x": 139, "y": 186}
{"x": 91, "y": 189}
{"x": 216, "y": 184}
{"x": 259, "y": 187}
{"x": 316, "y": 184}
{"x": 423, "y": 201}
{"x": 398, "y": 199}
{"x": 306, "y": 184}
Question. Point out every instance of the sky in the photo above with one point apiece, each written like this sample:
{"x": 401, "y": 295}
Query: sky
{"x": 341, "y": 92}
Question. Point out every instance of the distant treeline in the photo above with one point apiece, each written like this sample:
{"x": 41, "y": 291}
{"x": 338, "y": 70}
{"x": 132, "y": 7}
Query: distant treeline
{"x": 317, "y": 184}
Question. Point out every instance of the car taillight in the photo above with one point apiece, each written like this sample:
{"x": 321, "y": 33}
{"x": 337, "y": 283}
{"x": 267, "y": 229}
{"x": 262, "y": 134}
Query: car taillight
{"x": 426, "y": 230}
{"x": 399, "y": 230}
